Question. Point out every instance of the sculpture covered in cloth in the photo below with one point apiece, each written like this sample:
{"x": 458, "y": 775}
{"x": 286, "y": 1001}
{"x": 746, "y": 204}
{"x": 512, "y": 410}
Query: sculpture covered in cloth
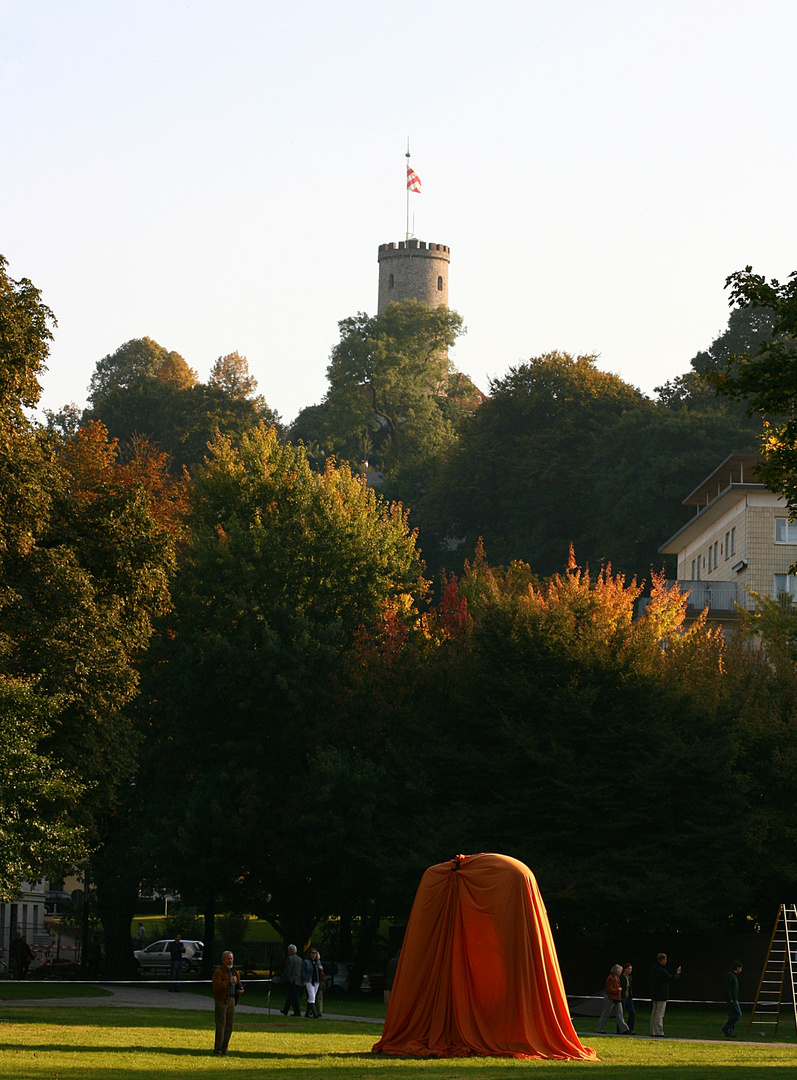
{"x": 478, "y": 972}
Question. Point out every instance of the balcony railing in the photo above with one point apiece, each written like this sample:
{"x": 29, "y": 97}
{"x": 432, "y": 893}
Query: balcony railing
{"x": 714, "y": 595}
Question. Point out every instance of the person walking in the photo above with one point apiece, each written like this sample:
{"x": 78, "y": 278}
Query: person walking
{"x": 226, "y": 991}
{"x": 292, "y": 980}
{"x": 20, "y": 955}
{"x": 732, "y": 997}
{"x": 319, "y": 994}
{"x": 175, "y": 949}
{"x": 627, "y": 999}
{"x": 660, "y": 981}
{"x": 311, "y": 977}
{"x": 611, "y": 1003}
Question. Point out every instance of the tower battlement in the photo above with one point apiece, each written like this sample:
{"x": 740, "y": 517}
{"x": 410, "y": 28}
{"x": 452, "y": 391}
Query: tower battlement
{"x": 413, "y": 270}
{"x": 419, "y": 246}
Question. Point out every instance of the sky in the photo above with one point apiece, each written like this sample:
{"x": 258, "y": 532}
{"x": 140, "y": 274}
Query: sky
{"x": 218, "y": 176}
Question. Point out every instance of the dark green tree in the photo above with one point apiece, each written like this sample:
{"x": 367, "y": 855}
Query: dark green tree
{"x": 654, "y": 457}
{"x": 761, "y": 692}
{"x": 282, "y": 567}
{"x": 144, "y": 391}
{"x": 394, "y": 396}
{"x": 560, "y": 722}
{"x": 766, "y": 380}
{"x": 520, "y": 474}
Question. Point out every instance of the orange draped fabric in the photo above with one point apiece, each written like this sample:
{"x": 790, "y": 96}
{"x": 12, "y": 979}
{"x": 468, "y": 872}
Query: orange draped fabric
{"x": 478, "y": 972}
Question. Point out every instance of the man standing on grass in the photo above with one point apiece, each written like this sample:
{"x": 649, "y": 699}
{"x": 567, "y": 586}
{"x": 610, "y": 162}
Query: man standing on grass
{"x": 660, "y": 979}
{"x": 732, "y": 997}
{"x": 226, "y": 991}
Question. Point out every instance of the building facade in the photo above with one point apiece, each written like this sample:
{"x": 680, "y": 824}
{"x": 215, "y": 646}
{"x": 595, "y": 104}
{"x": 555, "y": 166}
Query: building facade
{"x": 26, "y": 915}
{"x": 739, "y": 541}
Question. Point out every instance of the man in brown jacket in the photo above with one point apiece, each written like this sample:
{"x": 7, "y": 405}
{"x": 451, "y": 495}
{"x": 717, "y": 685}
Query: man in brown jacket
{"x": 226, "y": 991}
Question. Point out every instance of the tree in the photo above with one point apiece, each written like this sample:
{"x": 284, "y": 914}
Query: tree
{"x": 641, "y": 474}
{"x": 520, "y": 474}
{"x": 36, "y": 791}
{"x": 747, "y": 328}
{"x": 390, "y": 378}
{"x": 131, "y": 365}
{"x": 144, "y": 391}
{"x": 231, "y": 374}
{"x": 83, "y": 567}
{"x": 282, "y": 567}
{"x": 559, "y": 717}
{"x": 767, "y": 379}
{"x": 761, "y": 691}
{"x": 36, "y": 794}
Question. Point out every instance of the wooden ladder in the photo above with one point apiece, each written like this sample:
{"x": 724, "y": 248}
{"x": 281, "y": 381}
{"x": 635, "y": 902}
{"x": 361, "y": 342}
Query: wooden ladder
{"x": 780, "y": 964}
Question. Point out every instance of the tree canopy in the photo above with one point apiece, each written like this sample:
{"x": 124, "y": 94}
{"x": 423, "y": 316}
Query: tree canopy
{"x": 520, "y": 475}
{"x": 393, "y": 392}
{"x": 766, "y": 379}
{"x": 144, "y": 391}
{"x": 283, "y": 567}
{"x": 83, "y": 569}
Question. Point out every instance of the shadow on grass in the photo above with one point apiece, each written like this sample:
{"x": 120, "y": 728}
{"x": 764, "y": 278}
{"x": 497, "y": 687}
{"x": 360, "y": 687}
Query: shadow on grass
{"x": 369, "y": 1066}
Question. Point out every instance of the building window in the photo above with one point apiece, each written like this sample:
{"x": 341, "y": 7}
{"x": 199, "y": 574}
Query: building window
{"x": 390, "y": 282}
{"x": 716, "y": 547}
{"x": 733, "y": 540}
{"x": 785, "y": 531}
{"x": 727, "y": 545}
{"x": 439, "y": 284}
{"x": 693, "y": 570}
{"x": 786, "y": 585}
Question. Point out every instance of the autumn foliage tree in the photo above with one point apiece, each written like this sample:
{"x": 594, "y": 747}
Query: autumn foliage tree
{"x": 83, "y": 569}
{"x": 550, "y": 724}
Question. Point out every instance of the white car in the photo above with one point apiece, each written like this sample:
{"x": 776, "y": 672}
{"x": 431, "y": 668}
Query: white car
{"x": 156, "y": 957}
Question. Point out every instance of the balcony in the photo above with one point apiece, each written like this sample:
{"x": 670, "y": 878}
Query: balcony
{"x": 719, "y": 597}
{"x": 715, "y": 595}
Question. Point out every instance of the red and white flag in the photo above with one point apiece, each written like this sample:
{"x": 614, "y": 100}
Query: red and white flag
{"x": 413, "y": 180}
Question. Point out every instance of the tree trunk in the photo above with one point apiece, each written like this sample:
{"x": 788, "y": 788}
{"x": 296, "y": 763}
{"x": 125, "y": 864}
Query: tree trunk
{"x": 208, "y": 955}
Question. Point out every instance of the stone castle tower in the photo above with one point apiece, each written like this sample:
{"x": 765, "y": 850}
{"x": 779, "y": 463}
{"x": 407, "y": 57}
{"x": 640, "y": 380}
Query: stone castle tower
{"x": 411, "y": 270}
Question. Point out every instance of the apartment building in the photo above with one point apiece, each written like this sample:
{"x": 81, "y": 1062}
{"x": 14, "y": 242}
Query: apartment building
{"x": 739, "y": 539}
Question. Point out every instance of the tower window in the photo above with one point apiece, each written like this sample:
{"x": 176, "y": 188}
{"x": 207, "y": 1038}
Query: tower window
{"x": 439, "y": 284}
{"x": 390, "y": 282}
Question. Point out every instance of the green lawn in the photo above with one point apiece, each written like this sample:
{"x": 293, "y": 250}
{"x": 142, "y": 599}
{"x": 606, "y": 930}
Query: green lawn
{"x": 683, "y": 1022}
{"x": 37, "y": 1043}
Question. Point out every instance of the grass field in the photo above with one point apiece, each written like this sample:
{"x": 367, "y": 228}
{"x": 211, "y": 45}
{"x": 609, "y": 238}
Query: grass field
{"x": 37, "y": 1043}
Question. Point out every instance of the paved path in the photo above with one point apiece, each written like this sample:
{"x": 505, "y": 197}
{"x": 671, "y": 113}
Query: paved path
{"x": 146, "y": 998}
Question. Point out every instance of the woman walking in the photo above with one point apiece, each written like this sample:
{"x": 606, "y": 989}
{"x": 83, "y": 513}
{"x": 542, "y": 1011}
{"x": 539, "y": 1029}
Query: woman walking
{"x": 311, "y": 978}
{"x": 612, "y": 1004}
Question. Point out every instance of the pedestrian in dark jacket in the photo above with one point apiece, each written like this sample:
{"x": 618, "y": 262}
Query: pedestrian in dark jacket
{"x": 732, "y": 997}
{"x": 292, "y": 980}
{"x": 660, "y": 979}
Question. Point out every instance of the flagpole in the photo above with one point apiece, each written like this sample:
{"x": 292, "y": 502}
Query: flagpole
{"x": 407, "y": 185}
